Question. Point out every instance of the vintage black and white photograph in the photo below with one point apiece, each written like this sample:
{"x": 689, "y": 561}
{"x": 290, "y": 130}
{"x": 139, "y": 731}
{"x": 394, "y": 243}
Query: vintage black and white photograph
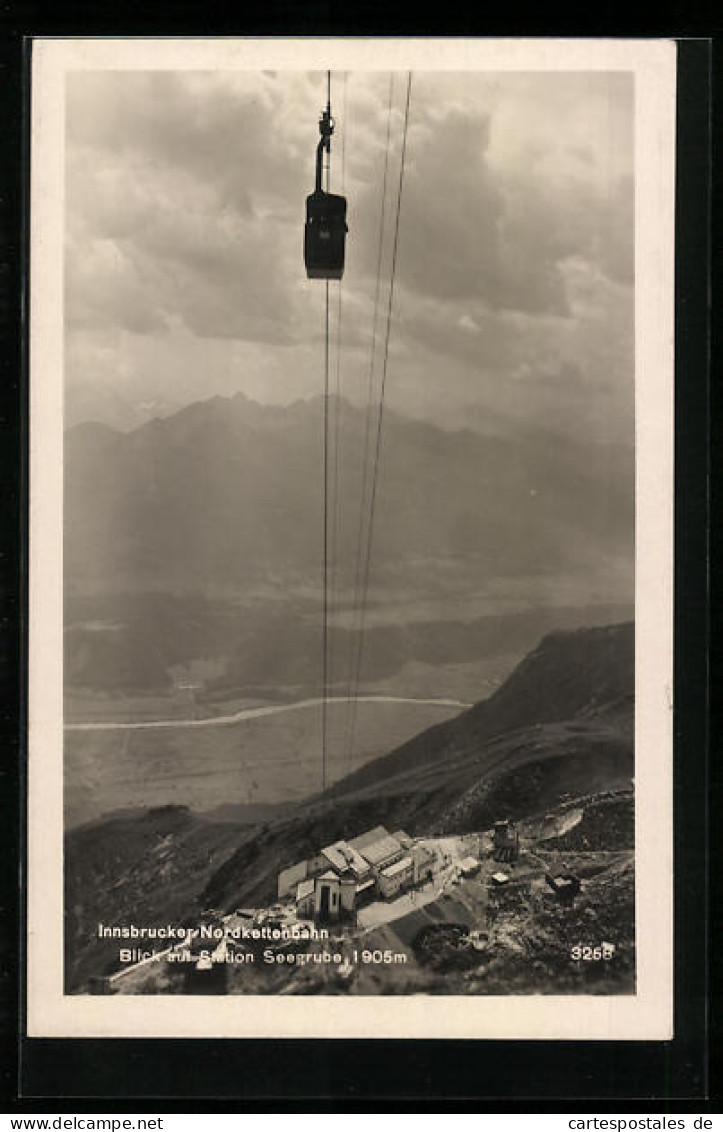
{"x": 347, "y": 410}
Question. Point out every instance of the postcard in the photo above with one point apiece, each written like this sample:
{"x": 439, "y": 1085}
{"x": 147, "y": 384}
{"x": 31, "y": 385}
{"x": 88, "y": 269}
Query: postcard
{"x": 351, "y": 511}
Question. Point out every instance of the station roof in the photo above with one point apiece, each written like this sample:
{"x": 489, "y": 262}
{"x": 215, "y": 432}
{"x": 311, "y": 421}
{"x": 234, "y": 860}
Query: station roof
{"x": 368, "y": 838}
{"x": 343, "y": 856}
{"x": 377, "y": 845}
{"x": 397, "y": 867}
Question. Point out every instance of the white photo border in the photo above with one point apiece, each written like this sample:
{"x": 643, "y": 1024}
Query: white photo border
{"x": 648, "y": 1014}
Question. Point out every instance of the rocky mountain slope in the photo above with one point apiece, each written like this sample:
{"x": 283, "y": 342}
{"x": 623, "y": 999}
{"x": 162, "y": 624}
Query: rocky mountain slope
{"x": 583, "y": 678}
{"x": 560, "y": 727}
{"x": 144, "y": 869}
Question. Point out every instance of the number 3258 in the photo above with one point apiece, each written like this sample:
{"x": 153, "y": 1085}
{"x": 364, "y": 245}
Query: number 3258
{"x": 592, "y": 954}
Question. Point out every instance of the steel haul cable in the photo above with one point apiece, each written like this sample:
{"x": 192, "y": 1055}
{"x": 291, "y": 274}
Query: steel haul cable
{"x": 380, "y": 417}
{"x": 366, "y": 453}
{"x": 325, "y": 609}
{"x": 325, "y": 614}
{"x": 336, "y": 423}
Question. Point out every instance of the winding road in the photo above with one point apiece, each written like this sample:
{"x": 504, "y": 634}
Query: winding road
{"x": 255, "y": 713}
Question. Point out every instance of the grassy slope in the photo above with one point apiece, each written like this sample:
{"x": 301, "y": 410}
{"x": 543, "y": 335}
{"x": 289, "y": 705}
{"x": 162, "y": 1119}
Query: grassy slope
{"x": 583, "y": 675}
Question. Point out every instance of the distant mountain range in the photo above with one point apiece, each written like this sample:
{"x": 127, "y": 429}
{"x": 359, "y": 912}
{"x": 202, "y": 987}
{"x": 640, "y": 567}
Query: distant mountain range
{"x": 111, "y": 406}
{"x": 227, "y": 493}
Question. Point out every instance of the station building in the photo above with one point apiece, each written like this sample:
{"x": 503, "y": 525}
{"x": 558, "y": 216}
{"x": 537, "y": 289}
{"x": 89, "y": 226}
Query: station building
{"x": 345, "y": 874}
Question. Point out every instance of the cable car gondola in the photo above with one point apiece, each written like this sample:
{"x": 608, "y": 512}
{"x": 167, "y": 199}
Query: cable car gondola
{"x": 325, "y": 229}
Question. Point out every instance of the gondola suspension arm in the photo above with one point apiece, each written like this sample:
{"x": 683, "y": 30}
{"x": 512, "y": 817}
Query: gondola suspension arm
{"x": 325, "y": 229}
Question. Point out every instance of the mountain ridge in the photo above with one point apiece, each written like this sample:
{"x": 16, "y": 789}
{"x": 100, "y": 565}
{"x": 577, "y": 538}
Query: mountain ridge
{"x": 585, "y": 668}
{"x": 460, "y": 775}
{"x": 227, "y": 492}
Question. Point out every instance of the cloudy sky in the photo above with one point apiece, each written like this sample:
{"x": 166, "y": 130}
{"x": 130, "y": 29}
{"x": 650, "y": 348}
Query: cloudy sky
{"x": 513, "y": 307}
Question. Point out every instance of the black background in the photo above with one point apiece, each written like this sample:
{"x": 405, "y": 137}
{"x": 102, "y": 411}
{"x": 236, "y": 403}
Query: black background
{"x": 73, "y": 1075}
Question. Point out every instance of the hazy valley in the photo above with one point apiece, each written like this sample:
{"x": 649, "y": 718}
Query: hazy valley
{"x": 192, "y": 579}
{"x": 557, "y": 733}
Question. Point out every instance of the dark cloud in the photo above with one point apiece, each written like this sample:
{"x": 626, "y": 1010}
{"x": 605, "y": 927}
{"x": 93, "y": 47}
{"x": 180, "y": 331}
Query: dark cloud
{"x": 235, "y": 140}
{"x": 473, "y": 232}
{"x": 185, "y": 196}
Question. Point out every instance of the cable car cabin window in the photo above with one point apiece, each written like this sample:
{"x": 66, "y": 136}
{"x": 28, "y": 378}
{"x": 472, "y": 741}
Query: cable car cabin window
{"x": 325, "y": 235}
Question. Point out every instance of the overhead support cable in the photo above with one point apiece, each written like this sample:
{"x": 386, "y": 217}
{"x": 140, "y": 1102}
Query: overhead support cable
{"x": 325, "y": 600}
{"x": 325, "y": 611}
{"x": 336, "y": 427}
{"x": 380, "y": 418}
{"x": 366, "y": 448}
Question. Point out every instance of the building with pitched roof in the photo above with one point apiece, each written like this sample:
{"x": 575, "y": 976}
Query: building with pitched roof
{"x": 346, "y": 874}
{"x": 378, "y": 848}
{"x": 423, "y": 859}
{"x": 334, "y": 895}
{"x": 396, "y": 877}
{"x": 341, "y": 855}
